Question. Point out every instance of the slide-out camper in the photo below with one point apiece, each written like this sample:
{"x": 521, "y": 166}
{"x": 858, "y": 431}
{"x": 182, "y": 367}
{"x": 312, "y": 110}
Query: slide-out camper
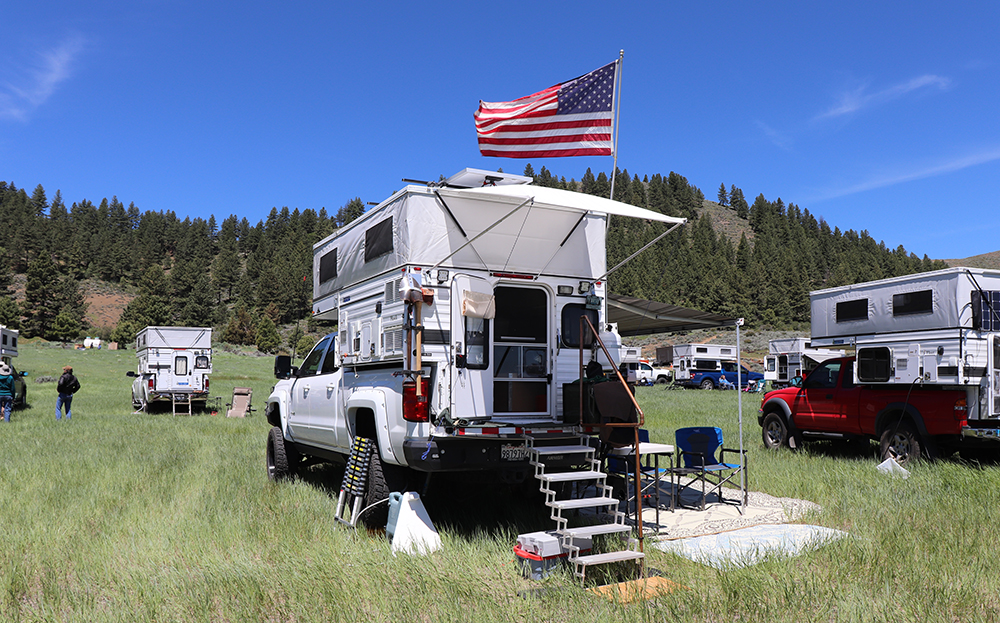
{"x": 173, "y": 367}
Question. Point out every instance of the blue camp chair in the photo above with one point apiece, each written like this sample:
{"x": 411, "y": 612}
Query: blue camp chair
{"x": 696, "y": 459}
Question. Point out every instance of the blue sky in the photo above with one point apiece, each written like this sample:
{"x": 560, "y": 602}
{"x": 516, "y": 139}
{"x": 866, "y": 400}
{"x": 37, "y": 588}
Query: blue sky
{"x": 873, "y": 117}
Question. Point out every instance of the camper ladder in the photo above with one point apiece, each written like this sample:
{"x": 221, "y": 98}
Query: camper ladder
{"x": 591, "y": 473}
{"x": 184, "y": 400}
{"x": 352, "y": 491}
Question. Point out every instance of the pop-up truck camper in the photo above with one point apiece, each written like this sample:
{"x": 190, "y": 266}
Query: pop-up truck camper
{"x": 458, "y": 307}
{"x": 174, "y": 364}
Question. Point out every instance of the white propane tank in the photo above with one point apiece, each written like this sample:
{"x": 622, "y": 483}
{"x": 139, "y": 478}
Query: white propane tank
{"x": 613, "y": 342}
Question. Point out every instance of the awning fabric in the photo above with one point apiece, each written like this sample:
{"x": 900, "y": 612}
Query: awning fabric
{"x": 641, "y": 317}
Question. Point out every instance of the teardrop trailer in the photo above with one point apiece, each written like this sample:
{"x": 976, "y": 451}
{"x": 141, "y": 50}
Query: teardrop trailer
{"x": 458, "y": 308}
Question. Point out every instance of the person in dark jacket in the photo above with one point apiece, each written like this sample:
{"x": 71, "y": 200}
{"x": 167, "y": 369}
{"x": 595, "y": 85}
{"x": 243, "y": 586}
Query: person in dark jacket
{"x": 67, "y": 386}
{"x": 6, "y": 391}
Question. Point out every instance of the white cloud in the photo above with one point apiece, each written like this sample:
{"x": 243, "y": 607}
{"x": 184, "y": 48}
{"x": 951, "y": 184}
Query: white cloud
{"x": 901, "y": 177}
{"x": 779, "y": 139}
{"x": 38, "y": 82}
{"x": 859, "y": 98}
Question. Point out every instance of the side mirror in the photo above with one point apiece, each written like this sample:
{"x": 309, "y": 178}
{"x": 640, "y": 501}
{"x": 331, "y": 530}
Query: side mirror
{"x": 282, "y": 367}
{"x": 131, "y": 374}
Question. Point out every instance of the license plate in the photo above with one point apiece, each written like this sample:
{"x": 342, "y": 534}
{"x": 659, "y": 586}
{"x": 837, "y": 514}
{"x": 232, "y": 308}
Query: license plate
{"x": 513, "y": 452}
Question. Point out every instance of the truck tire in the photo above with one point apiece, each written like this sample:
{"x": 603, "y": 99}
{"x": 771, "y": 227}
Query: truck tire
{"x": 661, "y": 380}
{"x": 901, "y": 443}
{"x": 707, "y": 384}
{"x": 280, "y": 466}
{"x": 774, "y": 431}
{"x": 376, "y": 493}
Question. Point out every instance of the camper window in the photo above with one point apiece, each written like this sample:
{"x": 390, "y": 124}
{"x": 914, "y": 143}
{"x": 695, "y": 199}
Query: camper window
{"x": 908, "y": 303}
{"x": 328, "y": 266}
{"x": 477, "y": 355}
{"x": 311, "y": 364}
{"x": 520, "y": 315}
{"x": 180, "y": 366}
{"x": 201, "y": 362}
{"x": 571, "y": 325}
{"x": 378, "y": 240}
{"x": 852, "y": 310}
{"x": 706, "y": 364}
{"x": 874, "y": 365}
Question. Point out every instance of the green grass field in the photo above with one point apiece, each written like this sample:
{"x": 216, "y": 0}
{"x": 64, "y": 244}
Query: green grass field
{"x": 116, "y": 516}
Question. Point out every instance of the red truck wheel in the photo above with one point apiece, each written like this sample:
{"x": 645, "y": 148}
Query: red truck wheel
{"x": 774, "y": 431}
{"x": 901, "y": 443}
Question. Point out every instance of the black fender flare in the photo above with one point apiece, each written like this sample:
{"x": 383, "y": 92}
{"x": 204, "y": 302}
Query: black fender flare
{"x": 777, "y": 404}
{"x": 890, "y": 415}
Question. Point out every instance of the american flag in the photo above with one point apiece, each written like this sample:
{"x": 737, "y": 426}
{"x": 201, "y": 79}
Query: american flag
{"x": 570, "y": 119}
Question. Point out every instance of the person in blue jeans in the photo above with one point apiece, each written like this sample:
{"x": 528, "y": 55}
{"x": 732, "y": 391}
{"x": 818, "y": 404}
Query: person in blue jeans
{"x": 6, "y": 391}
{"x": 67, "y": 386}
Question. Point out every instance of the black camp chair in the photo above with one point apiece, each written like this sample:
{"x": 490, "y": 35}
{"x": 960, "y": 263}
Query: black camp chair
{"x": 696, "y": 459}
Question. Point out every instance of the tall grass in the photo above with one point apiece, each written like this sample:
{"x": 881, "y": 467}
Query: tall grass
{"x": 116, "y": 516}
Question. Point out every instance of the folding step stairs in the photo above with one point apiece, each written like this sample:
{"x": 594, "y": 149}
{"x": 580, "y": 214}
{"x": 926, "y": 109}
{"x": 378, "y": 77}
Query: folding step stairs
{"x": 591, "y": 474}
{"x": 184, "y": 400}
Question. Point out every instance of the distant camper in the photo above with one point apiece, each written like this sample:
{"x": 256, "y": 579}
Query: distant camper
{"x": 174, "y": 365}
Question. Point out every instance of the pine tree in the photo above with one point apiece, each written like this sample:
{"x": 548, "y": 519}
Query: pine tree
{"x": 723, "y": 197}
{"x": 240, "y": 329}
{"x": 268, "y": 339}
{"x": 41, "y": 297}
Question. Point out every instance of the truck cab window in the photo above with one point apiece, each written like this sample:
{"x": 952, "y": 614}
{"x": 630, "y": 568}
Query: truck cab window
{"x": 310, "y": 366}
{"x": 823, "y": 377}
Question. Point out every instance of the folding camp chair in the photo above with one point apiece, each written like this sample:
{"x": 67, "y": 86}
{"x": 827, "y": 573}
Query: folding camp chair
{"x": 696, "y": 459}
{"x": 240, "y": 406}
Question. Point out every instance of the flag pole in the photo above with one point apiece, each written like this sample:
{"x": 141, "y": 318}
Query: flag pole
{"x": 617, "y": 106}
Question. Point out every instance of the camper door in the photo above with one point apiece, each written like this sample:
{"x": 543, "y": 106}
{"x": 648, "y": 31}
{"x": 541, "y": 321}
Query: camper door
{"x": 473, "y": 311}
{"x": 522, "y": 351}
{"x": 993, "y": 377}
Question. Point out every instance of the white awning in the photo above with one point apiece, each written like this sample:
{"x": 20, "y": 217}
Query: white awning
{"x": 573, "y": 201}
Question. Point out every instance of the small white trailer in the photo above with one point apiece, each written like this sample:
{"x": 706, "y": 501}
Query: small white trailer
{"x": 8, "y": 350}
{"x": 174, "y": 365}
{"x": 791, "y": 357}
{"x": 940, "y": 328}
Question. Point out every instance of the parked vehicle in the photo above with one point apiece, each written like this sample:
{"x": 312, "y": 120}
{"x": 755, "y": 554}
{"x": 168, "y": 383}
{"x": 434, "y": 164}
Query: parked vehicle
{"x": 703, "y": 365}
{"x": 457, "y": 335}
{"x": 926, "y": 377}
{"x": 794, "y": 357}
{"x": 8, "y": 350}
{"x": 174, "y": 365}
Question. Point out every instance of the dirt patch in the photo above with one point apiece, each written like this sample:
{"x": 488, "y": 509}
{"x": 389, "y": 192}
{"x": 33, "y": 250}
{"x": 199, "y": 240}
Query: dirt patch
{"x": 104, "y": 309}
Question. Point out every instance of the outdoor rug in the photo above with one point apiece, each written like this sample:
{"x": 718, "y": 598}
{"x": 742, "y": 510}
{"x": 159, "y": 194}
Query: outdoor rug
{"x": 749, "y": 546}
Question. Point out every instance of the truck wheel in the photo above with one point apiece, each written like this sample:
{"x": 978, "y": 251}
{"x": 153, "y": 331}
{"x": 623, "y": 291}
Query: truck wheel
{"x": 661, "y": 380}
{"x": 902, "y": 445}
{"x": 279, "y": 467}
{"x": 774, "y": 431}
{"x": 383, "y": 479}
{"x": 707, "y": 384}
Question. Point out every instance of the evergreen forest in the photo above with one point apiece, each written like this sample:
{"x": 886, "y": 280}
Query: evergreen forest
{"x": 250, "y": 280}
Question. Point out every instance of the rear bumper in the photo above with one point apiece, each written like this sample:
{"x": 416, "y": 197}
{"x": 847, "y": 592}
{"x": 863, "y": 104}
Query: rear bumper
{"x": 467, "y": 454}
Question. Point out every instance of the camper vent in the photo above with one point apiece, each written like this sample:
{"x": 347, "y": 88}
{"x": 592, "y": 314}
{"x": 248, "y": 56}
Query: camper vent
{"x": 392, "y": 340}
{"x": 392, "y": 291}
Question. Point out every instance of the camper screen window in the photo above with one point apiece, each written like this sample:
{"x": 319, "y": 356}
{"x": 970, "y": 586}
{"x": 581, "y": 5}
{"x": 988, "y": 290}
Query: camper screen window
{"x": 328, "y": 266}
{"x": 706, "y": 364}
{"x": 921, "y": 302}
{"x": 520, "y": 315}
{"x": 201, "y": 362}
{"x": 874, "y": 365}
{"x": 571, "y": 325}
{"x": 180, "y": 366}
{"x": 378, "y": 240}
{"x": 477, "y": 356}
{"x": 852, "y": 310}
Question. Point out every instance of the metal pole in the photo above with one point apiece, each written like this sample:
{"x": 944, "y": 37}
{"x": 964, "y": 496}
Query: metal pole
{"x": 739, "y": 393}
{"x": 617, "y": 107}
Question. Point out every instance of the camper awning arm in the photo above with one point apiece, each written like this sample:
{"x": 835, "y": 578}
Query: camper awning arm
{"x": 482, "y": 233}
{"x": 459, "y": 225}
{"x": 631, "y": 257}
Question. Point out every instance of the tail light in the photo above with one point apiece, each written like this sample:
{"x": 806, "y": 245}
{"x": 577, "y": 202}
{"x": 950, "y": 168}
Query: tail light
{"x": 961, "y": 409}
{"x": 151, "y": 383}
{"x": 416, "y": 408}
{"x": 206, "y": 382}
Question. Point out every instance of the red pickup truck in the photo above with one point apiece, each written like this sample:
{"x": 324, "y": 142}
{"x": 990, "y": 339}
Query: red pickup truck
{"x": 907, "y": 421}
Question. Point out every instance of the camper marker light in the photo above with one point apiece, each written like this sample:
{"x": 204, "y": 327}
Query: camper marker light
{"x": 565, "y": 290}
{"x": 442, "y": 276}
